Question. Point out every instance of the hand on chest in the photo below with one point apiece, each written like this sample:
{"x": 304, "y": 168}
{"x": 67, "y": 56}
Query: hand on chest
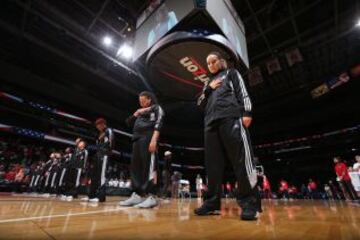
{"x": 149, "y": 116}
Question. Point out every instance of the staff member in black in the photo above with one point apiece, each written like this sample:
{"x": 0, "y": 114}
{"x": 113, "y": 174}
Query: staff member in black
{"x": 227, "y": 118}
{"x": 55, "y": 172}
{"x": 104, "y": 144}
{"x": 48, "y": 174}
{"x": 75, "y": 167}
{"x": 147, "y": 121}
{"x": 64, "y": 172}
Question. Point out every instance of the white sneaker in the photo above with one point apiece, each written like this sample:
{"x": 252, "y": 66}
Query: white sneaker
{"x": 150, "y": 202}
{"x": 132, "y": 201}
{"x": 69, "y": 198}
{"x": 62, "y": 197}
{"x": 46, "y": 195}
{"x": 94, "y": 200}
{"x": 84, "y": 199}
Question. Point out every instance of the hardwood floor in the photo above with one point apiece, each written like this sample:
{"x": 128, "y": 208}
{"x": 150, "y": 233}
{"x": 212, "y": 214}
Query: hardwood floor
{"x": 24, "y": 217}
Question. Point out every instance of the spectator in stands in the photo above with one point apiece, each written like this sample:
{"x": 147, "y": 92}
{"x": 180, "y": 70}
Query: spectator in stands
{"x": 128, "y": 183}
{"x": 266, "y": 188}
{"x": 10, "y": 175}
{"x": 122, "y": 183}
{"x": 2, "y": 172}
{"x": 175, "y": 181}
{"x": 19, "y": 173}
{"x": 19, "y": 177}
{"x": 356, "y": 166}
{"x": 284, "y": 189}
{"x": 293, "y": 192}
{"x": 305, "y": 191}
{"x": 328, "y": 192}
{"x": 199, "y": 185}
{"x": 228, "y": 190}
{"x": 355, "y": 178}
{"x": 312, "y": 187}
{"x": 166, "y": 174}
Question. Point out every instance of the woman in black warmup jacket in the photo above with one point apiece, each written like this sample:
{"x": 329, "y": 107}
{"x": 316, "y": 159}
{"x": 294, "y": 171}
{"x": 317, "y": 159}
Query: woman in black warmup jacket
{"x": 227, "y": 118}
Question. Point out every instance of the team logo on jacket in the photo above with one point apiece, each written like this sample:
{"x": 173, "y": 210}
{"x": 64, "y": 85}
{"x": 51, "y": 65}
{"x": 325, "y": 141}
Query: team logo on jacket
{"x": 195, "y": 69}
{"x": 152, "y": 117}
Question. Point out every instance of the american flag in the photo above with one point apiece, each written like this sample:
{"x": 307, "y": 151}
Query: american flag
{"x": 40, "y": 106}
{"x": 28, "y": 132}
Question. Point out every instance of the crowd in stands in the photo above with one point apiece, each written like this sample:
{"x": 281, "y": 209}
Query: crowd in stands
{"x": 18, "y": 160}
{"x": 344, "y": 186}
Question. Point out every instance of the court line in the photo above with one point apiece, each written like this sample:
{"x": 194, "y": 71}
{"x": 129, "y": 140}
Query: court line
{"x": 61, "y": 215}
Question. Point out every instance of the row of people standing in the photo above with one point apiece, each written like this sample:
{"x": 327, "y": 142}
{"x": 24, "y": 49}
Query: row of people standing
{"x": 61, "y": 174}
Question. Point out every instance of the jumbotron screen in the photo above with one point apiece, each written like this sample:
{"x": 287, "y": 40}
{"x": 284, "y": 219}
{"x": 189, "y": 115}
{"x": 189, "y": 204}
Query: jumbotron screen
{"x": 231, "y": 25}
{"x": 160, "y": 22}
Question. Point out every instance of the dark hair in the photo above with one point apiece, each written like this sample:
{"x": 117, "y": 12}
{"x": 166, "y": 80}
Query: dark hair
{"x": 223, "y": 61}
{"x": 149, "y": 95}
{"x": 100, "y": 121}
{"x": 216, "y": 53}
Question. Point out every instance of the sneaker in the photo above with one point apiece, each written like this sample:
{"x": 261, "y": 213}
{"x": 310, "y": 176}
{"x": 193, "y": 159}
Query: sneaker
{"x": 150, "y": 202}
{"x": 94, "y": 200}
{"x": 132, "y": 201}
{"x": 46, "y": 195}
{"x": 207, "y": 209}
{"x": 211, "y": 206}
{"x": 69, "y": 198}
{"x": 62, "y": 197}
{"x": 84, "y": 199}
{"x": 249, "y": 208}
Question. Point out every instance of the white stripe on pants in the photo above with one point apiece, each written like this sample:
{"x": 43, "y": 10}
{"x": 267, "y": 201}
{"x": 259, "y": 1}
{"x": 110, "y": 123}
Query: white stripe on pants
{"x": 32, "y": 180}
{"x": 103, "y": 170}
{"x": 37, "y": 180}
{"x": 47, "y": 180}
{"x": 78, "y": 177}
{"x": 53, "y": 180}
{"x": 250, "y": 169}
{"x": 62, "y": 177}
{"x": 152, "y": 173}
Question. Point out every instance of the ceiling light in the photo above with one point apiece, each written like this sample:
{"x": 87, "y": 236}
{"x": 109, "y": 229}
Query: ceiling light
{"x": 125, "y": 51}
{"x": 107, "y": 41}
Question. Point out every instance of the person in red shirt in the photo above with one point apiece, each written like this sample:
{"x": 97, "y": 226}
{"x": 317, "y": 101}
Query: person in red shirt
{"x": 284, "y": 189}
{"x": 344, "y": 179}
{"x": 228, "y": 190}
{"x": 266, "y": 188}
{"x": 293, "y": 192}
{"x": 312, "y": 187}
{"x": 10, "y": 176}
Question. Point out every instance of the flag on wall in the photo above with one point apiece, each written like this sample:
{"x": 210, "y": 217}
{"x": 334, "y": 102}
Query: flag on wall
{"x": 294, "y": 56}
{"x": 273, "y": 65}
